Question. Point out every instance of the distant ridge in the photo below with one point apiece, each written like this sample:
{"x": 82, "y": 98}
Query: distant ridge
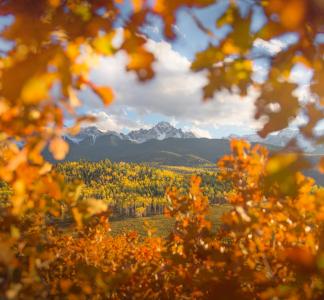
{"x": 160, "y": 131}
{"x": 164, "y": 130}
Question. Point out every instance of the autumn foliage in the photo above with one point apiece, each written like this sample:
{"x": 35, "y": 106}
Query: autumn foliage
{"x": 271, "y": 243}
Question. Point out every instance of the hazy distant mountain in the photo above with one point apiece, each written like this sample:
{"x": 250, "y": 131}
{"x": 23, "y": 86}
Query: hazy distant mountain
{"x": 277, "y": 139}
{"x": 282, "y": 138}
{"x": 160, "y": 131}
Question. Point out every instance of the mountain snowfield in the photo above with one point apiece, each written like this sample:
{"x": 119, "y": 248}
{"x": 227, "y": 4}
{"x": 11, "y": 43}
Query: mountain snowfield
{"x": 160, "y": 131}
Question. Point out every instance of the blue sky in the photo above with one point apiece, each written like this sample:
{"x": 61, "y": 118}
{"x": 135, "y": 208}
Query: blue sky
{"x": 174, "y": 95}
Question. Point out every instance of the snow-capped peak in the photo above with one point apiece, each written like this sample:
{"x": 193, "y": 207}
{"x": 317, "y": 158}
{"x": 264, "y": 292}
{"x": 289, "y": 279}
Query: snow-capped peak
{"x": 90, "y": 132}
{"x": 160, "y": 131}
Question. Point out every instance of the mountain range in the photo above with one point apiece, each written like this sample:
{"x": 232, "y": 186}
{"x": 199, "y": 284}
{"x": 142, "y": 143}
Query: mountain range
{"x": 160, "y": 131}
{"x": 161, "y": 144}
{"x": 164, "y": 130}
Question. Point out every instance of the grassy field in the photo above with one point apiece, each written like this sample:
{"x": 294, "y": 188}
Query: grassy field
{"x": 161, "y": 224}
{"x": 189, "y": 170}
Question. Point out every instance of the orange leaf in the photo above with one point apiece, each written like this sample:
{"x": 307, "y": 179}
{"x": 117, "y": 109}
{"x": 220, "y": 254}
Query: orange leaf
{"x": 141, "y": 62}
{"x": 59, "y": 148}
{"x": 293, "y": 14}
{"x": 105, "y": 93}
{"x": 54, "y": 3}
{"x": 137, "y": 4}
{"x": 300, "y": 256}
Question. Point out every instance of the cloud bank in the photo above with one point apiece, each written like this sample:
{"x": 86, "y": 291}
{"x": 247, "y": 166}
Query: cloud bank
{"x": 174, "y": 94}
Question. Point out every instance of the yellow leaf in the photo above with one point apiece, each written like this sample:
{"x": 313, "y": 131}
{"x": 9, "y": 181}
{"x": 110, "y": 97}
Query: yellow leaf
{"x": 37, "y": 88}
{"x": 15, "y": 232}
{"x": 103, "y": 44}
{"x": 80, "y": 68}
{"x": 19, "y": 187}
{"x": 59, "y": 148}
{"x": 17, "y": 200}
{"x": 74, "y": 100}
{"x": 230, "y": 48}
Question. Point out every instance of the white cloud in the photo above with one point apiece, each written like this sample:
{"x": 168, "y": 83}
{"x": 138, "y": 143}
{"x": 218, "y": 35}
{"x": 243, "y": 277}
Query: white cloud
{"x": 105, "y": 122}
{"x": 110, "y": 122}
{"x": 174, "y": 93}
{"x": 203, "y": 133}
{"x": 273, "y": 46}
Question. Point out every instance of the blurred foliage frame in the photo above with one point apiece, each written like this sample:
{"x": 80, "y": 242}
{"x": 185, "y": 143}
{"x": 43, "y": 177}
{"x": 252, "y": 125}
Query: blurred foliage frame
{"x": 54, "y": 44}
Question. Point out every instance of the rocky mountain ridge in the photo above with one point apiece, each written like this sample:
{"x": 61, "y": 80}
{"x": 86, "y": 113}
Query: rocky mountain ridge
{"x": 164, "y": 130}
{"x": 160, "y": 131}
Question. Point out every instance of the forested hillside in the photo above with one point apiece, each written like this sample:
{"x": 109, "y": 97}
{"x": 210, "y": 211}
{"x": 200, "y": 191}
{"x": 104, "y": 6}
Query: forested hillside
{"x": 131, "y": 190}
